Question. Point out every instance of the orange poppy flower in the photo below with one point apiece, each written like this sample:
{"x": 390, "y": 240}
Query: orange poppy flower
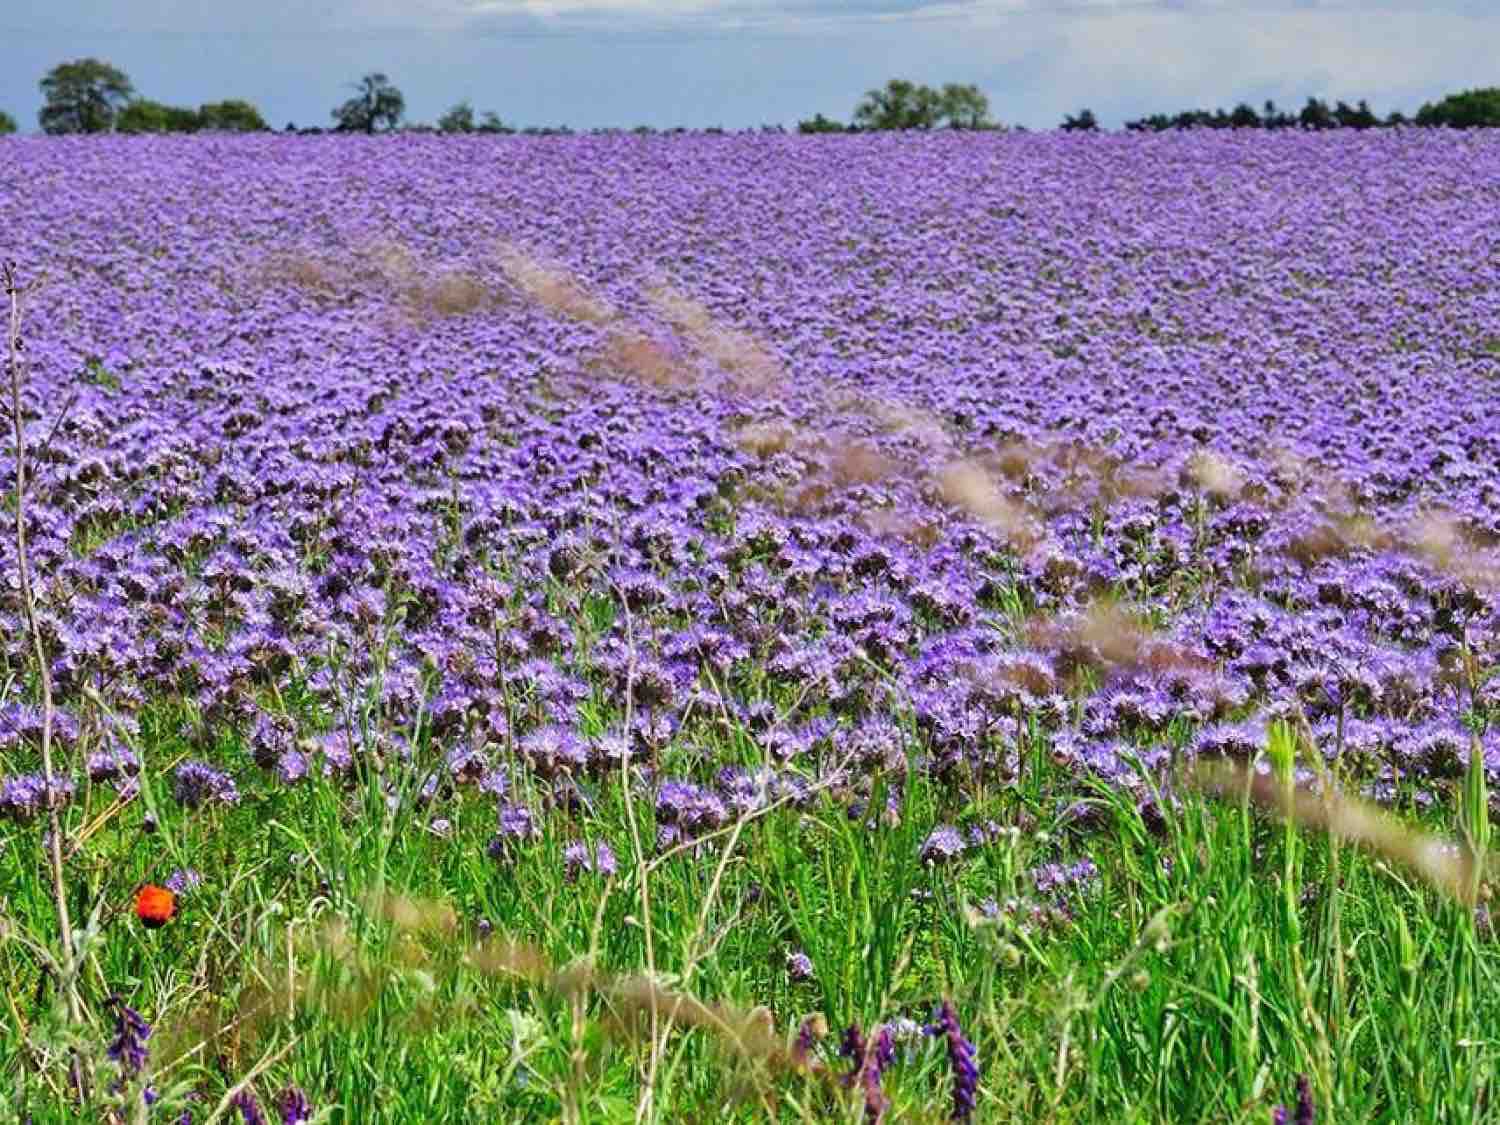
{"x": 154, "y": 905}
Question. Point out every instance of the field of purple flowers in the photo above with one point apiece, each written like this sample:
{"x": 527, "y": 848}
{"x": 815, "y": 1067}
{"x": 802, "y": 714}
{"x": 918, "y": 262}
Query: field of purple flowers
{"x": 595, "y": 505}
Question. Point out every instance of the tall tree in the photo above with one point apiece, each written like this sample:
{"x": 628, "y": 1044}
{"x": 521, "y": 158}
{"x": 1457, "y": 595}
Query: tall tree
{"x": 145, "y": 116}
{"x": 1083, "y": 121}
{"x": 83, "y": 96}
{"x": 232, "y": 115}
{"x": 1243, "y": 116}
{"x": 7, "y": 123}
{"x": 900, "y": 105}
{"x": 459, "y": 119}
{"x": 820, "y": 124}
{"x": 964, "y": 106}
{"x": 377, "y": 102}
{"x": 1472, "y": 109}
{"x": 1316, "y": 115}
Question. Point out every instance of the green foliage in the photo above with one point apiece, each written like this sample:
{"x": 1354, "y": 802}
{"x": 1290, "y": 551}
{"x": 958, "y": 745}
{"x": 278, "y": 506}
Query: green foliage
{"x": 460, "y": 119}
{"x": 377, "y": 104}
{"x": 1083, "y": 121}
{"x": 964, "y": 107}
{"x": 83, "y": 96}
{"x": 899, "y": 105}
{"x": 908, "y": 105}
{"x": 145, "y": 116}
{"x": 1472, "y": 109}
{"x": 820, "y": 124}
{"x": 7, "y": 123}
{"x": 232, "y": 115}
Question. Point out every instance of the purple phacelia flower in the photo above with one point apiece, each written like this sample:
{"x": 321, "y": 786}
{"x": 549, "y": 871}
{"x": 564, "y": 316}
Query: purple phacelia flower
{"x": 291, "y": 767}
{"x": 799, "y": 966}
{"x": 577, "y": 858}
{"x": 23, "y": 796}
{"x": 196, "y": 783}
{"x": 183, "y": 881}
{"x": 115, "y": 764}
{"x": 943, "y": 843}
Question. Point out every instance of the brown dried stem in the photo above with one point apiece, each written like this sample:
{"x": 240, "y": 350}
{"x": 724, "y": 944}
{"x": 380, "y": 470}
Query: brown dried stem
{"x": 44, "y": 675}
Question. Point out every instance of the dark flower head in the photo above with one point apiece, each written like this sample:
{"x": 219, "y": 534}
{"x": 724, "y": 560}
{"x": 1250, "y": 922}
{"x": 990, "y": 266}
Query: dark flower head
{"x": 1305, "y": 1114}
{"x": 293, "y": 1106}
{"x": 962, "y": 1061}
{"x": 249, "y": 1108}
{"x": 129, "y": 1046}
{"x": 943, "y": 843}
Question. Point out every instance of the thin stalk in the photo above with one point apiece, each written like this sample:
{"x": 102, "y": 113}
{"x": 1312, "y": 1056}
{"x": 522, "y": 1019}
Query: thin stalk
{"x": 44, "y": 674}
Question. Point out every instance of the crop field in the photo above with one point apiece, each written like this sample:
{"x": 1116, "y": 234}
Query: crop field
{"x": 887, "y": 628}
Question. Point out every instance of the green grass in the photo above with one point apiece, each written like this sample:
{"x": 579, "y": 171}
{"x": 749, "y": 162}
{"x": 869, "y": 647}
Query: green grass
{"x": 1218, "y": 955}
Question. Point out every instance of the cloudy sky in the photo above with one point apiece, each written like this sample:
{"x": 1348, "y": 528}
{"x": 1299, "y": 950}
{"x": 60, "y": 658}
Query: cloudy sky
{"x": 739, "y": 63}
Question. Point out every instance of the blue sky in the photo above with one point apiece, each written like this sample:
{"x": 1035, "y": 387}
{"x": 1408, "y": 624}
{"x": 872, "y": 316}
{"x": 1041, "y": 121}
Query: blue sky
{"x": 739, "y": 63}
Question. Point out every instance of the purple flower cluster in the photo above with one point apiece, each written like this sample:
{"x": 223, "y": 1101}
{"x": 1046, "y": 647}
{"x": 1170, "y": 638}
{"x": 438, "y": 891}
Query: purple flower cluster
{"x": 128, "y": 1048}
{"x": 878, "y": 448}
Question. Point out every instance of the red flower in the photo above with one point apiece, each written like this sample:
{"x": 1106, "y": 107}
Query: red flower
{"x": 154, "y": 905}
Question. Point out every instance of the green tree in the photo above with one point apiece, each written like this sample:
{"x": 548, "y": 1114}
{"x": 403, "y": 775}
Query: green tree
{"x": 820, "y": 124}
{"x": 900, "y": 105}
{"x": 1472, "y": 109}
{"x": 145, "y": 116}
{"x": 1316, "y": 115}
{"x": 232, "y": 115}
{"x": 7, "y": 123}
{"x": 489, "y": 122}
{"x": 377, "y": 103}
{"x": 1083, "y": 121}
{"x": 1355, "y": 117}
{"x": 83, "y": 96}
{"x": 459, "y": 119}
{"x": 1243, "y": 116}
{"x": 964, "y": 106}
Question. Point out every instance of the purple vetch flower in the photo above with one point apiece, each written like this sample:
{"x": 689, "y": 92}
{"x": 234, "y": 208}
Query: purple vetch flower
{"x": 293, "y": 1106}
{"x": 943, "y": 843}
{"x": 129, "y": 1046}
{"x": 866, "y": 1058}
{"x": 1305, "y": 1114}
{"x": 249, "y": 1108}
{"x": 799, "y": 966}
{"x": 808, "y": 1034}
{"x": 853, "y": 1047}
{"x": 963, "y": 1061}
{"x": 196, "y": 783}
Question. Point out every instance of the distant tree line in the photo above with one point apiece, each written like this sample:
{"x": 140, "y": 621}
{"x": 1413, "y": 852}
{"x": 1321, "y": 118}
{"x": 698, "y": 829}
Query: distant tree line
{"x": 1471, "y": 109}
{"x": 92, "y": 96}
